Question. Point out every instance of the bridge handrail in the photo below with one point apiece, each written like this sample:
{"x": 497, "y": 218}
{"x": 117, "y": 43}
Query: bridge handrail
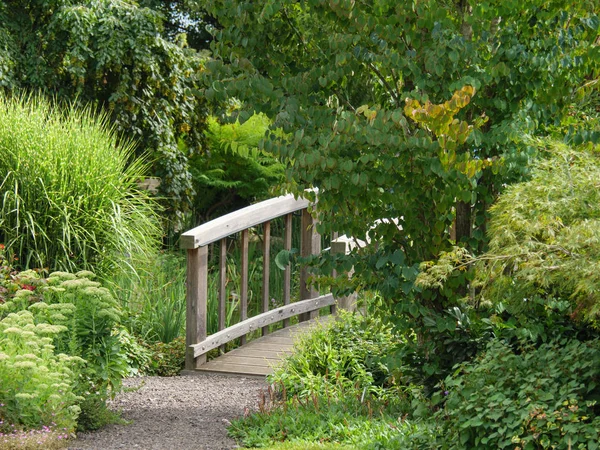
{"x": 242, "y": 219}
{"x": 260, "y": 321}
{"x": 196, "y": 242}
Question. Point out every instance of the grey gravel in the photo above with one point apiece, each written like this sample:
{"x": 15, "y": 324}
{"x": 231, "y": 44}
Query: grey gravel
{"x": 186, "y": 412}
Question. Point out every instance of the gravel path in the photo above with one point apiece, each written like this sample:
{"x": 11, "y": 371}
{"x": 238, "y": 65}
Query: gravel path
{"x": 187, "y": 412}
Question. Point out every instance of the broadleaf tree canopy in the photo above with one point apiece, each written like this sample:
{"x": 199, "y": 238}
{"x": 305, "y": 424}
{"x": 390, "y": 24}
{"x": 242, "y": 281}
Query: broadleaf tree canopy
{"x": 114, "y": 55}
{"x": 413, "y": 111}
{"x": 349, "y": 83}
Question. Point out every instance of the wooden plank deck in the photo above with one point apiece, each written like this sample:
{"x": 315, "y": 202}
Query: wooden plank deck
{"x": 257, "y": 357}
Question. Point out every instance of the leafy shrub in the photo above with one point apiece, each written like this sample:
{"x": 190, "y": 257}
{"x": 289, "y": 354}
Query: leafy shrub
{"x": 539, "y": 277}
{"x": 334, "y": 388}
{"x": 95, "y": 414}
{"x": 541, "y": 397}
{"x": 68, "y": 189}
{"x": 167, "y": 360}
{"x": 445, "y": 339}
{"x": 234, "y": 172}
{"x": 344, "y": 354}
{"x": 541, "y": 321}
{"x": 158, "y": 358}
{"x": 138, "y": 356}
{"x": 545, "y": 235}
{"x": 90, "y": 314}
{"x": 37, "y": 384}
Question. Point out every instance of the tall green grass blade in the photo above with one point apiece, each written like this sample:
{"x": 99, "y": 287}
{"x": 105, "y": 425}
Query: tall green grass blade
{"x": 68, "y": 188}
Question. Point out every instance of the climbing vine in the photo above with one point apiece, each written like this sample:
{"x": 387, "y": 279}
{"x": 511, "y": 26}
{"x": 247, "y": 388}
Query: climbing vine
{"x": 115, "y": 56}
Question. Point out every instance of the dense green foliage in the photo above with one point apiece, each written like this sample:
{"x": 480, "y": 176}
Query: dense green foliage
{"x": 333, "y": 388}
{"x": 68, "y": 191}
{"x": 546, "y": 235}
{"x": 185, "y": 16}
{"x": 336, "y": 76}
{"x": 527, "y": 389}
{"x": 33, "y": 374}
{"x": 115, "y": 56}
{"x": 533, "y": 398}
{"x": 348, "y": 422}
{"x": 544, "y": 240}
{"x": 234, "y": 172}
{"x": 528, "y": 338}
{"x": 63, "y": 322}
{"x": 418, "y": 112}
{"x": 338, "y": 357}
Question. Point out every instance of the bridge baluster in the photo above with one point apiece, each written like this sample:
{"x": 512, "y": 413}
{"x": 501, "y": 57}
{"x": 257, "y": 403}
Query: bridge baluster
{"x": 222, "y": 288}
{"x": 310, "y": 245}
{"x": 266, "y": 270}
{"x": 244, "y": 282}
{"x": 287, "y": 276}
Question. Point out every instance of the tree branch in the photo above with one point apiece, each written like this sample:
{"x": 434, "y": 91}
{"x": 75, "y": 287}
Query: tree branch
{"x": 392, "y": 91}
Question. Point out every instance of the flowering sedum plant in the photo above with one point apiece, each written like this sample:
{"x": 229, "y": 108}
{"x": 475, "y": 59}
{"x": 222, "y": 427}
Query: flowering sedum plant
{"x": 59, "y": 355}
{"x": 37, "y": 384}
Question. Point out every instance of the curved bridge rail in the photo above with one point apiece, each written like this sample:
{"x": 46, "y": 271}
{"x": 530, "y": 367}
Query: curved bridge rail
{"x": 197, "y": 240}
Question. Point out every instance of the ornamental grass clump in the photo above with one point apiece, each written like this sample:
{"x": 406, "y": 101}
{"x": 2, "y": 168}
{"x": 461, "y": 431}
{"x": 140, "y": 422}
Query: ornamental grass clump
{"x": 68, "y": 190}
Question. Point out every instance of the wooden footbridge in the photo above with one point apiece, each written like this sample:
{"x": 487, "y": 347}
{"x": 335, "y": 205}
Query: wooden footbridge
{"x": 253, "y": 357}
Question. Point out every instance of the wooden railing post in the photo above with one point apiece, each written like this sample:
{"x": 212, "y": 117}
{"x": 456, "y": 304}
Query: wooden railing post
{"x": 310, "y": 244}
{"x": 197, "y": 296}
{"x": 266, "y": 270}
{"x": 244, "y": 281}
{"x": 344, "y": 245}
{"x": 287, "y": 275}
{"x": 222, "y": 288}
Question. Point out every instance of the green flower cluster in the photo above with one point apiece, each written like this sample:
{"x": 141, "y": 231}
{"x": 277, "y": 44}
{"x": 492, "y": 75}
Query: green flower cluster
{"x": 57, "y": 345}
{"x": 37, "y": 384}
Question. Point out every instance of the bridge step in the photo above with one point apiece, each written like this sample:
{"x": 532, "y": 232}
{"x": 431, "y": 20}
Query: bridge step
{"x": 257, "y": 357}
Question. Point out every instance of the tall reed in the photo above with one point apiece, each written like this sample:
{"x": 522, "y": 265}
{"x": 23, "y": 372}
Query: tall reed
{"x": 154, "y": 296}
{"x": 68, "y": 192}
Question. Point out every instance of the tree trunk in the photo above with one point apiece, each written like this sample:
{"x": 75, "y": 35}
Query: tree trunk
{"x": 462, "y": 223}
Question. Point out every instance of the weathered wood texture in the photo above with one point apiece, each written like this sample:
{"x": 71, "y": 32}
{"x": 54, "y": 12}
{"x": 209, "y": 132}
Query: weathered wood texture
{"x": 287, "y": 275}
{"x": 258, "y": 357}
{"x": 222, "y": 286}
{"x": 244, "y": 282}
{"x": 262, "y": 320}
{"x": 310, "y": 245}
{"x": 240, "y": 220}
{"x": 266, "y": 270}
{"x": 197, "y": 295}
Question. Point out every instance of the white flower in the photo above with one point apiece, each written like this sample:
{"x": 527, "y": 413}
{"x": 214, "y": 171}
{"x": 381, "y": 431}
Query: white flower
{"x": 24, "y": 365}
{"x": 24, "y": 396}
{"x": 13, "y": 330}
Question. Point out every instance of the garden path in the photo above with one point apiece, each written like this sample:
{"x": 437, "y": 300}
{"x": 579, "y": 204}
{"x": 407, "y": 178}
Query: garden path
{"x": 179, "y": 413}
{"x": 259, "y": 356}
